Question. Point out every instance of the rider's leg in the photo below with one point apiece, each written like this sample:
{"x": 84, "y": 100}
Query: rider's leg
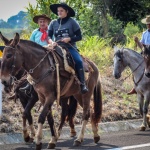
{"x": 79, "y": 68}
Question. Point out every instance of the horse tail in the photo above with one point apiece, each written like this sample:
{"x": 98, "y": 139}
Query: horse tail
{"x": 72, "y": 108}
{"x": 96, "y": 116}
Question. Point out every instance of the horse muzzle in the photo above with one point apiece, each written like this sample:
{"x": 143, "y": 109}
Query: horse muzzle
{"x": 117, "y": 75}
{"x": 147, "y": 74}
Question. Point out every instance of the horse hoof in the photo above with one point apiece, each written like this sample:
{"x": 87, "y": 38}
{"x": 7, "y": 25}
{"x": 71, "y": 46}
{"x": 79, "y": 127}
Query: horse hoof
{"x": 76, "y": 143}
{"x": 96, "y": 139}
{"x": 72, "y": 134}
{"x": 143, "y": 128}
{"x": 38, "y": 147}
{"x": 31, "y": 140}
{"x": 27, "y": 139}
{"x": 51, "y": 146}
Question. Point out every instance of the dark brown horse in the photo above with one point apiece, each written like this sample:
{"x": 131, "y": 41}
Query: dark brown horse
{"x": 146, "y": 55}
{"x": 40, "y": 64}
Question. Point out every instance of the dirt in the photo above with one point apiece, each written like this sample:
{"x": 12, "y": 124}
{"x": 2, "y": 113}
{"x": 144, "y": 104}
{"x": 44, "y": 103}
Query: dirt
{"x": 117, "y": 105}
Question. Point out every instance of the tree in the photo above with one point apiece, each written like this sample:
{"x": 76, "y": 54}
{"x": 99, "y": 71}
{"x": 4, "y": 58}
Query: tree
{"x": 128, "y": 10}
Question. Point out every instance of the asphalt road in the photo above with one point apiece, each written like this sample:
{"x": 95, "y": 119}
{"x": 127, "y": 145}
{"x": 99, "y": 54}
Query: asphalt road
{"x": 126, "y": 140}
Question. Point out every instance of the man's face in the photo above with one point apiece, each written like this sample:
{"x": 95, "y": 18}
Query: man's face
{"x": 148, "y": 26}
{"x": 43, "y": 23}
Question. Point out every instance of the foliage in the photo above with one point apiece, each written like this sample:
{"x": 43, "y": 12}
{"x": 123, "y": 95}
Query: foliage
{"x": 97, "y": 50}
{"x": 131, "y": 29}
{"x": 123, "y": 11}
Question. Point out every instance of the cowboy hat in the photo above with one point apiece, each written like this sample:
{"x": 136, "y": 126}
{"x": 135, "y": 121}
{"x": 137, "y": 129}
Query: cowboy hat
{"x": 54, "y": 7}
{"x": 36, "y": 18}
{"x": 146, "y": 20}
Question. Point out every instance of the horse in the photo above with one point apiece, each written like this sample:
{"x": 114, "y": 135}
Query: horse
{"x": 129, "y": 58}
{"x": 28, "y": 100}
{"x": 41, "y": 66}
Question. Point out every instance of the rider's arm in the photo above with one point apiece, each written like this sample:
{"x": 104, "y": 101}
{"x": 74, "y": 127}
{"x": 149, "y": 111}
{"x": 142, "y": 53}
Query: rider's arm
{"x": 77, "y": 36}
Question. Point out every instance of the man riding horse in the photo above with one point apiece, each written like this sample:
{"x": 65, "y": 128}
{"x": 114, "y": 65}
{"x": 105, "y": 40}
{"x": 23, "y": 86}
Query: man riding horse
{"x": 145, "y": 40}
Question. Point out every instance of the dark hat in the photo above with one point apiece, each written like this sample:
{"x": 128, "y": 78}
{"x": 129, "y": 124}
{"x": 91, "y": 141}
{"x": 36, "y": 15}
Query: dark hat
{"x": 35, "y": 18}
{"x": 54, "y": 7}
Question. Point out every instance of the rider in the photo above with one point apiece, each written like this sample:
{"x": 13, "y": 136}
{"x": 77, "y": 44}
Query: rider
{"x": 39, "y": 35}
{"x": 145, "y": 40}
{"x": 67, "y": 32}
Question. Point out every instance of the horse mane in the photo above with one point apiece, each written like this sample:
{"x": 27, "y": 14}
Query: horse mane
{"x": 134, "y": 52}
{"x": 33, "y": 44}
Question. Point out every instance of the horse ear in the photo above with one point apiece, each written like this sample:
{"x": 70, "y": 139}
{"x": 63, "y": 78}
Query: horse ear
{"x": 115, "y": 49}
{"x": 16, "y": 40}
{"x": 5, "y": 40}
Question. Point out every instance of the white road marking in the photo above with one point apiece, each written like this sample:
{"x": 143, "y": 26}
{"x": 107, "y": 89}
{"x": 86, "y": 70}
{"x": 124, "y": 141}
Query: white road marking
{"x": 131, "y": 147}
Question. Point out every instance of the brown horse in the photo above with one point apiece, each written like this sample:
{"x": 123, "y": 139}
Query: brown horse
{"x": 40, "y": 64}
{"x": 146, "y": 55}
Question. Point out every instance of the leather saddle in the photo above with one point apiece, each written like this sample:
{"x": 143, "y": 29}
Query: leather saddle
{"x": 70, "y": 59}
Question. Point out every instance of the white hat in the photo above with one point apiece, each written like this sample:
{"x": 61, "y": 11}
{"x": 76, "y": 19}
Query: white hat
{"x": 146, "y": 20}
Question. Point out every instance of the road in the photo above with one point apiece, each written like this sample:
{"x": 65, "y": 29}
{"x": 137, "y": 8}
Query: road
{"x": 125, "y": 140}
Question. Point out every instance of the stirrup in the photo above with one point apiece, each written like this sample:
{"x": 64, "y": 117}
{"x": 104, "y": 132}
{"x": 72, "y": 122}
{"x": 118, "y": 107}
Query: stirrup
{"x": 84, "y": 89}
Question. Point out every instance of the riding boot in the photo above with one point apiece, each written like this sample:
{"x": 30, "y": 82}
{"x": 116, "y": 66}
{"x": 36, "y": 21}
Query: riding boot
{"x": 133, "y": 91}
{"x": 26, "y": 88}
{"x": 84, "y": 89}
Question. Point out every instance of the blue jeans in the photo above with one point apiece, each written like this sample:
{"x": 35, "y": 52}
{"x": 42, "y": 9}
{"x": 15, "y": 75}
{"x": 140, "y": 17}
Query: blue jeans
{"x": 77, "y": 58}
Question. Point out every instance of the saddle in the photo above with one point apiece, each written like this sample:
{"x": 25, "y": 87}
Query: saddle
{"x": 70, "y": 60}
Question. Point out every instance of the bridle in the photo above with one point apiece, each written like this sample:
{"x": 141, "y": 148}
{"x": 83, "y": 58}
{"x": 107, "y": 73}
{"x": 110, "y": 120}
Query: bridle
{"x": 12, "y": 77}
{"x": 31, "y": 71}
{"x": 120, "y": 56}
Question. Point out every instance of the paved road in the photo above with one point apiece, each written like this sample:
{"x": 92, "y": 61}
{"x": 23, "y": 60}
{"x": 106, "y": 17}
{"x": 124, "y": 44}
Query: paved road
{"x": 126, "y": 140}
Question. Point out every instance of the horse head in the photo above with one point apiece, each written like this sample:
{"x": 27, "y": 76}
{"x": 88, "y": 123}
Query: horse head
{"x": 146, "y": 55}
{"x": 11, "y": 60}
{"x": 118, "y": 60}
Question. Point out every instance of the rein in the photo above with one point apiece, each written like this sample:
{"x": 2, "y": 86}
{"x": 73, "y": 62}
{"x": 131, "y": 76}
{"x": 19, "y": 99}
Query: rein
{"x": 136, "y": 83}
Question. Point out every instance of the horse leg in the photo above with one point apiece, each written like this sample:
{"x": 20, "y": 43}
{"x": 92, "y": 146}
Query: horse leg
{"x": 71, "y": 114}
{"x": 86, "y": 114}
{"x": 24, "y": 118}
{"x": 41, "y": 121}
{"x": 140, "y": 99}
{"x": 27, "y": 113}
{"x": 52, "y": 143}
{"x": 96, "y": 115}
{"x": 145, "y": 111}
{"x": 64, "y": 113}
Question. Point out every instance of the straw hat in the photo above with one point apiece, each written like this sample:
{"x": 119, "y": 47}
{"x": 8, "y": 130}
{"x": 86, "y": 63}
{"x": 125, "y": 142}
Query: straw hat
{"x": 146, "y": 20}
{"x": 54, "y": 7}
{"x": 36, "y": 18}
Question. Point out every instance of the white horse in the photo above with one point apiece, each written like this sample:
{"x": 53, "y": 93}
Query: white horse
{"x": 126, "y": 57}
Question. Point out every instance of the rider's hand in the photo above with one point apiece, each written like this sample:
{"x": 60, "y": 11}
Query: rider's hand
{"x": 54, "y": 44}
{"x": 136, "y": 39}
{"x": 66, "y": 40}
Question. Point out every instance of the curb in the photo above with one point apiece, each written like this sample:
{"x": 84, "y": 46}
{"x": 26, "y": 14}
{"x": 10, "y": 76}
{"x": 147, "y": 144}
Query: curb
{"x": 13, "y": 138}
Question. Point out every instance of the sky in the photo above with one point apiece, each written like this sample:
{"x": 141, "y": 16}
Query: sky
{"x": 10, "y": 8}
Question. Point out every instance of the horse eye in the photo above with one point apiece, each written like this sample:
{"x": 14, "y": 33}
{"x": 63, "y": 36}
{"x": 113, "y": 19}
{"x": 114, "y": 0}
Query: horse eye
{"x": 8, "y": 55}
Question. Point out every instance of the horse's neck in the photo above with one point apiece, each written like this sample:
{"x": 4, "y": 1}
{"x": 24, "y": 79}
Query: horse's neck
{"x": 135, "y": 64}
{"x": 33, "y": 57}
